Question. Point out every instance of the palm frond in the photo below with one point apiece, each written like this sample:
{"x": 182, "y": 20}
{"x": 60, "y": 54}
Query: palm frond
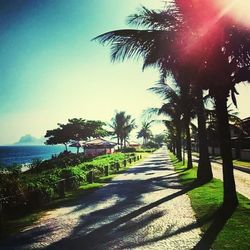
{"x": 155, "y": 19}
{"x": 132, "y": 44}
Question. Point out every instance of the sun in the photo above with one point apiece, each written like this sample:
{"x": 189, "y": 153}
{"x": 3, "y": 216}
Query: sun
{"x": 237, "y": 9}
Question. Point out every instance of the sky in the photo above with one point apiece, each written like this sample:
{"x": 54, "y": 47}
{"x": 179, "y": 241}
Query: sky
{"x": 51, "y": 70}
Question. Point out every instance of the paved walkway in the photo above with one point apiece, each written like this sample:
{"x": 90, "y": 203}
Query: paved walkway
{"x": 145, "y": 208}
{"x": 242, "y": 179}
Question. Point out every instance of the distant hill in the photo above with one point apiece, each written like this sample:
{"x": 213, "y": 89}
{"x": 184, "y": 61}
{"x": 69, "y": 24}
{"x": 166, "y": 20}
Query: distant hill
{"x": 30, "y": 140}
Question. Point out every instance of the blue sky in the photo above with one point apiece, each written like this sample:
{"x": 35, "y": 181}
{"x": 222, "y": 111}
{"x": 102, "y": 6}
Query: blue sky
{"x": 51, "y": 71}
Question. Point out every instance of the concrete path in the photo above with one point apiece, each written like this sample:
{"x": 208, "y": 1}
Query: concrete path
{"x": 242, "y": 178}
{"x": 145, "y": 208}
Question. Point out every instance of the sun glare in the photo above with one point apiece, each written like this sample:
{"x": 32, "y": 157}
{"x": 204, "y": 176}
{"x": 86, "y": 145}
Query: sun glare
{"x": 237, "y": 9}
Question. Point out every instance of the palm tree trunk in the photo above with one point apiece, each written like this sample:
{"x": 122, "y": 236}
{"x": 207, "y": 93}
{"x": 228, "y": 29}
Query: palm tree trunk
{"x": 66, "y": 147}
{"x": 230, "y": 196}
{"x": 174, "y": 146}
{"x": 188, "y": 145}
{"x": 204, "y": 173}
{"x": 183, "y": 151}
{"x": 118, "y": 142}
{"x": 178, "y": 142}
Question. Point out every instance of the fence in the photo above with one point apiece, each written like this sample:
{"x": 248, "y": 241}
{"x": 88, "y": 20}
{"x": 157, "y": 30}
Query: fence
{"x": 240, "y": 154}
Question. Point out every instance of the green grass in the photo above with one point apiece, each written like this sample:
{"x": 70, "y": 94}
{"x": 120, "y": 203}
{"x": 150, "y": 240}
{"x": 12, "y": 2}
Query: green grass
{"x": 206, "y": 200}
{"x": 242, "y": 163}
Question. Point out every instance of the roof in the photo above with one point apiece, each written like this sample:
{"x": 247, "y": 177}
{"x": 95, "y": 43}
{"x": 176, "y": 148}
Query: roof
{"x": 99, "y": 142}
{"x": 134, "y": 143}
{"x": 77, "y": 143}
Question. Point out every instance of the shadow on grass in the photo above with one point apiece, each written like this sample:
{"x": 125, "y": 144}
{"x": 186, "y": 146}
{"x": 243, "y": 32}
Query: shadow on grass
{"x": 219, "y": 219}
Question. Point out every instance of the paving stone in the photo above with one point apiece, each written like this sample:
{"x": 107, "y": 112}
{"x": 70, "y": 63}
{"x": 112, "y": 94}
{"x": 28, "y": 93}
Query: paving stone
{"x": 144, "y": 208}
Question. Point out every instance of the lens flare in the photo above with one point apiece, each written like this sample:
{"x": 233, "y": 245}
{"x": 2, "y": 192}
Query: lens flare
{"x": 239, "y": 10}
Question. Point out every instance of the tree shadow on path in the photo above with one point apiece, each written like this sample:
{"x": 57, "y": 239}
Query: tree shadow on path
{"x": 102, "y": 234}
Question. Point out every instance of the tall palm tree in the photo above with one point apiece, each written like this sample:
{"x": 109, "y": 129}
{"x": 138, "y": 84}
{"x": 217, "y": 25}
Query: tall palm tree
{"x": 180, "y": 98}
{"x": 129, "y": 125}
{"x": 216, "y": 37}
{"x": 156, "y": 44}
{"x": 171, "y": 108}
{"x": 171, "y": 135}
{"x": 175, "y": 41}
{"x": 145, "y": 132}
{"x": 122, "y": 124}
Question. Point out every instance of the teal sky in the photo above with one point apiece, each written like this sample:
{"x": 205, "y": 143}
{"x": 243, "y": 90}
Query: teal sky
{"x": 50, "y": 70}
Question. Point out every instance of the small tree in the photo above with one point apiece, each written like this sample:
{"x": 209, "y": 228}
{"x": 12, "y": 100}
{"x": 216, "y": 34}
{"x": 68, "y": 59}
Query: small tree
{"x": 57, "y": 136}
{"x": 76, "y": 130}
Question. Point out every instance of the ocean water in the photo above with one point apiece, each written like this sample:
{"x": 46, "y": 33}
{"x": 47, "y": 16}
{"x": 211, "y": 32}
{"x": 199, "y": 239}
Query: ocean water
{"x": 10, "y": 155}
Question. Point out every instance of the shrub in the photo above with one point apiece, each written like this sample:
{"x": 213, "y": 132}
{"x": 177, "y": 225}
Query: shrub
{"x": 40, "y": 184}
{"x": 73, "y": 177}
{"x": 128, "y": 150}
{"x": 151, "y": 144}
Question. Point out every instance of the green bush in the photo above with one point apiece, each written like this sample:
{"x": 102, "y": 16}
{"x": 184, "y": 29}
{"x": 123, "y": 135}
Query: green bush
{"x": 40, "y": 184}
{"x": 73, "y": 177}
{"x": 151, "y": 145}
{"x": 128, "y": 150}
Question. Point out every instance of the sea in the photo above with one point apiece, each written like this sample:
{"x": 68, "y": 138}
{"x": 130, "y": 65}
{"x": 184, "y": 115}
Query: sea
{"x": 21, "y": 155}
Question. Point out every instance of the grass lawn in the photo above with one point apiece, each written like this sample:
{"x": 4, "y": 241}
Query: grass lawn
{"x": 242, "y": 163}
{"x": 206, "y": 200}
{"x": 13, "y": 226}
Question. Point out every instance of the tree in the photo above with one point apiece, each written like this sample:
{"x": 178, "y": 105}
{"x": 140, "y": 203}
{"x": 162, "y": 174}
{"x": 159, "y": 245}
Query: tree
{"x": 172, "y": 109}
{"x": 216, "y": 37}
{"x": 195, "y": 36}
{"x": 76, "y": 130}
{"x": 179, "y": 107}
{"x": 159, "y": 139}
{"x": 145, "y": 132}
{"x": 122, "y": 125}
{"x": 57, "y": 136}
{"x": 157, "y": 46}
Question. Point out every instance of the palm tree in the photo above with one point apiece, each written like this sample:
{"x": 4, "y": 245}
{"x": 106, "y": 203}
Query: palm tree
{"x": 171, "y": 135}
{"x": 129, "y": 125}
{"x": 122, "y": 125}
{"x": 145, "y": 132}
{"x": 217, "y": 38}
{"x": 233, "y": 118}
{"x": 156, "y": 45}
{"x": 180, "y": 98}
{"x": 171, "y": 108}
{"x": 174, "y": 42}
